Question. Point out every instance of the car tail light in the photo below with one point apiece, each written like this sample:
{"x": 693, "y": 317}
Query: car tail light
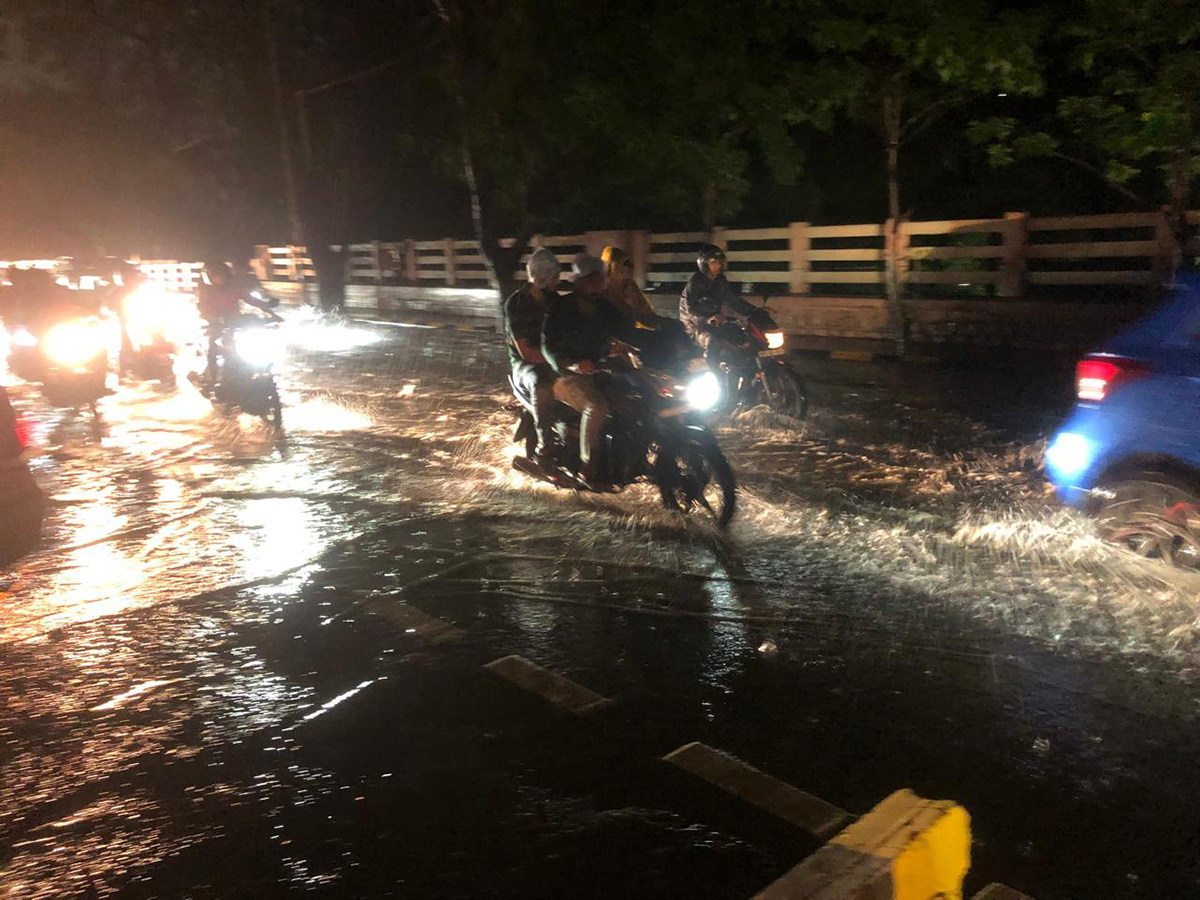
{"x": 23, "y": 429}
{"x": 1096, "y": 377}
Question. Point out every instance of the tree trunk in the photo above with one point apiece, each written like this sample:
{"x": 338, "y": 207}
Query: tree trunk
{"x": 1180, "y": 190}
{"x": 892, "y": 107}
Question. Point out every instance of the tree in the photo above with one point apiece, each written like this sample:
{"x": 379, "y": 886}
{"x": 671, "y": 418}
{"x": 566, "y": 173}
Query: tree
{"x": 1134, "y": 120}
{"x": 144, "y": 140}
{"x": 899, "y": 68}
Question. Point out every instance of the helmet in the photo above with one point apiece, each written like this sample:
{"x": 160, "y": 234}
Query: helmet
{"x": 709, "y": 252}
{"x": 217, "y": 271}
{"x": 543, "y": 268}
{"x": 127, "y": 273}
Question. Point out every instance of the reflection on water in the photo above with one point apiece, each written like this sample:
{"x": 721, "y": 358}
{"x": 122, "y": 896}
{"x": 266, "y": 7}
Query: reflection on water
{"x": 275, "y": 534}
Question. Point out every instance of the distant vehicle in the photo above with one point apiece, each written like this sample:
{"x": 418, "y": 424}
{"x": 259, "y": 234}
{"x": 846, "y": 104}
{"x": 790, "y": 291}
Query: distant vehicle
{"x": 1130, "y": 450}
{"x": 21, "y": 501}
{"x": 156, "y": 325}
{"x": 69, "y": 359}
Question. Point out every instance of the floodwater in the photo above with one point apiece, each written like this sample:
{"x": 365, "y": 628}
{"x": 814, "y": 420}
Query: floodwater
{"x": 211, "y": 689}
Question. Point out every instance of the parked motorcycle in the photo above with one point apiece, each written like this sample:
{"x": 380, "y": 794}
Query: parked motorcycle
{"x": 250, "y": 350}
{"x": 69, "y": 359}
{"x": 654, "y": 434}
{"x": 754, "y": 364}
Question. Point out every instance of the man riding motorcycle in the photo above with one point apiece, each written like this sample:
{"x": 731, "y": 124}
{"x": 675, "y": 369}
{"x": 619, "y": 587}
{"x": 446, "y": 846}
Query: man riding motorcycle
{"x": 705, "y": 297}
{"x": 219, "y": 300}
{"x": 580, "y": 328}
{"x": 524, "y": 312}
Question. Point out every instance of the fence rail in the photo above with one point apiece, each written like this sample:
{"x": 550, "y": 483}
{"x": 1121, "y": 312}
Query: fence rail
{"x": 1014, "y": 257}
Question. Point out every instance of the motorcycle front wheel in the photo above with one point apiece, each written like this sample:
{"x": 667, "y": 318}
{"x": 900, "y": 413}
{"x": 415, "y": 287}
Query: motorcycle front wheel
{"x": 694, "y": 478}
{"x": 786, "y": 392}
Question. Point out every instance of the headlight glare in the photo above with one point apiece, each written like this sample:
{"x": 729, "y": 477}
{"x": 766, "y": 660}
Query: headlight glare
{"x": 1069, "y": 454}
{"x": 704, "y": 392}
{"x": 261, "y": 347}
{"x": 72, "y": 344}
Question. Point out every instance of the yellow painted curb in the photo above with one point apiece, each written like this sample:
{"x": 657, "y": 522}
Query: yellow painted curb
{"x": 906, "y": 848}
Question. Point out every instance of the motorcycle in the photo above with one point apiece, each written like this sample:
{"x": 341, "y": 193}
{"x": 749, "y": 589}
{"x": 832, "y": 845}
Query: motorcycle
{"x": 155, "y": 326}
{"x": 250, "y": 350}
{"x": 69, "y": 359}
{"x": 654, "y": 434}
{"x": 753, "y": 361}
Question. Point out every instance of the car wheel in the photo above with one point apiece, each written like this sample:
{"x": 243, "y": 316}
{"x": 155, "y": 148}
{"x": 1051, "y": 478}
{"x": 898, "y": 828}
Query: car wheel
{"x": 1154, "y": 514}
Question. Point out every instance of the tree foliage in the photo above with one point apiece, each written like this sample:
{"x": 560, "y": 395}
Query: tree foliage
{"x": 1133, "y": 117}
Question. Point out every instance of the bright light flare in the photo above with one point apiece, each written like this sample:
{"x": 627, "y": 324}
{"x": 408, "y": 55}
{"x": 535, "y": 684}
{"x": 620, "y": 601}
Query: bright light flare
{"x": 704, "y": 392}
{"x": 152, "y": 314}
{"x": 1069, "y": 454}
{"x": 22, "y": 337}
{"x": 774, "y": 340}
{"x": 261, "y": 347}
{"x": 321, "y": 337}
{"x": 73, "y": 344}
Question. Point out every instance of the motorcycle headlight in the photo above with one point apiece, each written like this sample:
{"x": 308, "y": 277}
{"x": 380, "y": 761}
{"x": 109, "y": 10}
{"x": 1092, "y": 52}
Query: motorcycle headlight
{"x": 23, "y": 337}
{"x": 72, "y": 344}
{"x": 774, "y": 340}
{"x": 703, "y": 392}
{"x": 261, "y": 347}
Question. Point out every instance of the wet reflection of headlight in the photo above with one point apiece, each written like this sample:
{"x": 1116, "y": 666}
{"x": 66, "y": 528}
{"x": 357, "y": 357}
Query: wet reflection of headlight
{"x": 259, "y": 346}
{"x": 703, "y": 391}
{"x": 74, "y": 343}
{"x": 774, "y": 340}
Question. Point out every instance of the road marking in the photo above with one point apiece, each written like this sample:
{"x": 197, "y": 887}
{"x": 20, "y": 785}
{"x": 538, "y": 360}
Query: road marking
{"x": 1000, "y": 892}
{"x": 554, "y": 687}
{"x": 789, "y": 803}
{"x": 412, "y": 620}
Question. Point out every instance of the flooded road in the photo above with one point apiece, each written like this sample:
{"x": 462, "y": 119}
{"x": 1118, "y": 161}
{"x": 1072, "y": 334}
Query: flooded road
{"x": 217, "y": 683}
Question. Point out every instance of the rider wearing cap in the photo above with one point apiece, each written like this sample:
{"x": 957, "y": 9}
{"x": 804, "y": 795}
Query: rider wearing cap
{"x": 705, "y": 297}
{"x": 524, "y": 312}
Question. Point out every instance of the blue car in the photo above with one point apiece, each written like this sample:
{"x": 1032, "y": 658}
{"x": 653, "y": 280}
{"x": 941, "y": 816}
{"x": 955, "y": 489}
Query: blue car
{"x": 1130, "y": 450}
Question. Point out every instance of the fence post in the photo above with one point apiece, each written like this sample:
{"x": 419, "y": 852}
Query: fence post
{"x": 1012, "y": 264}
{"x": 412, "y": 272}
{"x": 448, "y": 256}
{"x": 261, "y": 262}
{"x": 1168, "y": 250}
{"x": 639, "y": 251}
{"x": 377, "y": 254}
{"x": 799, "y": 244}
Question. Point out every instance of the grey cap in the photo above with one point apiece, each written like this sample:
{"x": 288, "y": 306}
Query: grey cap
{"x": 585, "y": 264}
{"x": 543, "y": 268}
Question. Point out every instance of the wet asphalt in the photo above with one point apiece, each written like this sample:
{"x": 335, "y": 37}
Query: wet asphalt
{"x": 218, "y": 680}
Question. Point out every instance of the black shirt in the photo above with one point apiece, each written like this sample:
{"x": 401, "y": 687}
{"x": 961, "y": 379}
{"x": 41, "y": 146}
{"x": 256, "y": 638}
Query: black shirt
{"x": 523, "y": 317}
{"x": 704, "y": 297}
{"x": 576, "y": 329}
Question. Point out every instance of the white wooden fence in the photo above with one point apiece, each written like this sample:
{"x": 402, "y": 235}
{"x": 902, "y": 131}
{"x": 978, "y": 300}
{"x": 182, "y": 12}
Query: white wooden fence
{"x": 1007, "y": 257}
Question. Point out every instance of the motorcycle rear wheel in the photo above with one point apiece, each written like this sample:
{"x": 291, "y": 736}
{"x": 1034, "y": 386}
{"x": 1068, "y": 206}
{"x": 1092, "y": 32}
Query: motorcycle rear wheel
{"x": 694, "y": 477}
